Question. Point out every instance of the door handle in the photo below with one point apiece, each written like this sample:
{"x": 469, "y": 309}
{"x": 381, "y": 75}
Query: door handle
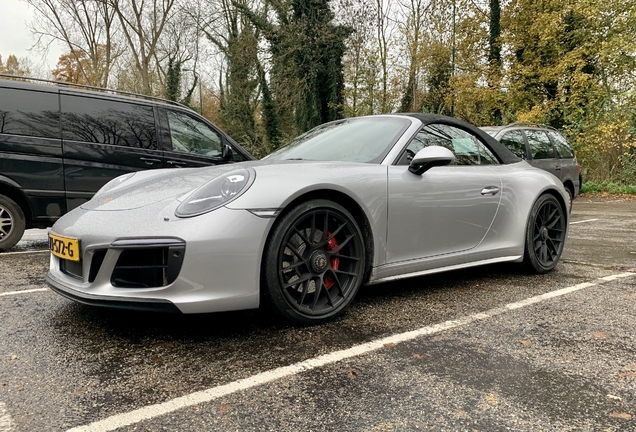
{"x": 490, "y": 190}
{"x": 176, "y": 163}
{"x": 149, "y": 161}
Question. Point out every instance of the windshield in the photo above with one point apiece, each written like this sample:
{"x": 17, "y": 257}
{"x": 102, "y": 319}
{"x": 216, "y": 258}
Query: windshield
{"x": 363, "y": 139}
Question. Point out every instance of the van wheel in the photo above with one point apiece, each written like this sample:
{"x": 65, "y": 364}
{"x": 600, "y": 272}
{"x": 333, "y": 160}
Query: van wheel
{"x": 12, "y": 223}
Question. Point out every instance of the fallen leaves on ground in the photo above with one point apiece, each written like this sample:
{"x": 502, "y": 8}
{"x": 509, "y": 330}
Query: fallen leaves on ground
{"x": 599, "y": 335}
{"x": 352, "y": 374}
{"x": 627, "y": 375}
{"x": 491, "y": 398}
{"x": 621, "y": 415}
{"x": 525, "y": 342}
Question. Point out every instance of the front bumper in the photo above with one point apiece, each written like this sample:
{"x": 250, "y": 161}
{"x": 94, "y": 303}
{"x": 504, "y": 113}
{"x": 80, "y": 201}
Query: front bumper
{"x": 125, "y": 303}
{"x": 218, "y": 268}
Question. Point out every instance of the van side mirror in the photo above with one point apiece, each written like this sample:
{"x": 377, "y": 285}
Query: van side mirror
{"x": 430, "y": 157}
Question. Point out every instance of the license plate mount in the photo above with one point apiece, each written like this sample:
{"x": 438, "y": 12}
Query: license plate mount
{"x": 64, "y": 247}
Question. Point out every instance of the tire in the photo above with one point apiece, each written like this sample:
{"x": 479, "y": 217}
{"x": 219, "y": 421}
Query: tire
{"x": 545, "y": 235}
{"x": 314, "y": 262}
{"x": 570, "y": 198}
{"x": 12, "y": 223}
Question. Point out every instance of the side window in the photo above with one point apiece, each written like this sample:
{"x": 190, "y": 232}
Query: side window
{"x": 540, "y": 145}
{"x": 562, "y": 147}
{"x": 468, "y": 149}
{"x": 29, "y": 113}
{"x": 193, "y": 136}
{"x": 515, "y": 143}
{"x": 108, "y": 122}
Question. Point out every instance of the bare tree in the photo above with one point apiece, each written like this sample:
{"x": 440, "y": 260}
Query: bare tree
{"x": 385, "y": 27}
{"x": 87, "y": 28}
{"x": 361, "y": 59}
{"x": 413, "y": 26}
{"x": 179, "y": 46}
{"x": 143, "y": 23}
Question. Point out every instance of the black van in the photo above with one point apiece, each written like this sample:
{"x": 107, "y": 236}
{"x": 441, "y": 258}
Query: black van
{"x": 59, "y": 145}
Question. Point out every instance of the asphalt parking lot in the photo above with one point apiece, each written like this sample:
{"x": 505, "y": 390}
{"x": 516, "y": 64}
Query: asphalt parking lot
{"x": 485, "y": 349}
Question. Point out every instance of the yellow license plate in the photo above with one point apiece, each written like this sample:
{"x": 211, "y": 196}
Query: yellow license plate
{"x": 64, "y": 247}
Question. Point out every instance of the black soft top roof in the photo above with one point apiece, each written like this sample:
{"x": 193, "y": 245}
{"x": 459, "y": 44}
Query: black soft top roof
{"x": 505, "y": 155}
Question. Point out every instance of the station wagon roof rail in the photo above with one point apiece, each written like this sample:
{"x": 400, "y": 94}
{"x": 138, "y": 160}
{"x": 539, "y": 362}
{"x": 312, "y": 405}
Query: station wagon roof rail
{"x": 530, "y": 124}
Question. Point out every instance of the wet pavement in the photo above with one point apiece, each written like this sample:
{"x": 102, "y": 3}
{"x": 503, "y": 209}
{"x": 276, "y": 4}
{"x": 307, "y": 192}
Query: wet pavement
{"x": 562, "y": 363}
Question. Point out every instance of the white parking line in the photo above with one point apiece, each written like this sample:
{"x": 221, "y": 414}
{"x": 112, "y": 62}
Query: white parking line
{"x": 153, "y": 411}
{"x": 23, "y": 252}
{"x": 6, "y": 423}
{"x": 583, "y": 221}
{"x": 10, "y": 293}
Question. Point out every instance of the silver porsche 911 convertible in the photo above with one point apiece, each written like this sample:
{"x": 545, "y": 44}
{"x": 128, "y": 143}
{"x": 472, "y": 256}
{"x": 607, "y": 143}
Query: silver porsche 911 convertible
{"x": 352, "y": 202}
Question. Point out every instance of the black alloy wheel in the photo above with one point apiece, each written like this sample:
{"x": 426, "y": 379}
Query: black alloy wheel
{"x": 12, "y": 223}
{"x": 314, "y": 262}
{"x": 545, "y": 234}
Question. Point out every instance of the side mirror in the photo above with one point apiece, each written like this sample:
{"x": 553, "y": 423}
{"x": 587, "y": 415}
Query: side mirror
{"x": 430, "y": 157}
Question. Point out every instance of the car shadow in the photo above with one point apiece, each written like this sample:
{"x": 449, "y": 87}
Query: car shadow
{"x": 137, "y": 325}
{"x": 106, "y": 344}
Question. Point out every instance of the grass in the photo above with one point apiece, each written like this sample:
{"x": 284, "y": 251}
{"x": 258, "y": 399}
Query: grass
{"x": 608, "y": 187}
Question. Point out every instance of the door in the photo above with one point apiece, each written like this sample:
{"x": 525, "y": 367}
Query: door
{"x": 103, "y": 139}
{"x": 542, "y": 152}
{"x": 31, "y": 150}
{"x": 569, "y": 165}
{"x": 447, "y": 209}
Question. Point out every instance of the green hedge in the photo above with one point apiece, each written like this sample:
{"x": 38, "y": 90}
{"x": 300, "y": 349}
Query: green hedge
{"x": 607, "y": 187}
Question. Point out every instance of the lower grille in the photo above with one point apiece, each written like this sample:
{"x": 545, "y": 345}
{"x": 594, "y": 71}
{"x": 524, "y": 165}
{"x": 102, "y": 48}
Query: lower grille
{"x": 71, "y": 268}
{"x": 148, "y": 267}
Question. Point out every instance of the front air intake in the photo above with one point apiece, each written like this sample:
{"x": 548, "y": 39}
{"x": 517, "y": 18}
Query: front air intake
{"x": 148, "y": 267}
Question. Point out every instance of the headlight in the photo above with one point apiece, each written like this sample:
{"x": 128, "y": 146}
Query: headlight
{"x": 215, "y": 193}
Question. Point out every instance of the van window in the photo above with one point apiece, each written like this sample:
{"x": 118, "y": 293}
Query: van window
{"x": 540, "y": 145}
{"x": 193, "y": 136}
{"x": 108, "y": 122}
{"x": 29, "y": 113}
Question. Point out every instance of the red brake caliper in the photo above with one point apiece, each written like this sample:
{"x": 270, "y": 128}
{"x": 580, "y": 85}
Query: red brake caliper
{"x": 335, "y": 262}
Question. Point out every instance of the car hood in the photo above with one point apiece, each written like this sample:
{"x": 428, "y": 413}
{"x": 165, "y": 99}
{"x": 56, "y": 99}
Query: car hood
{"x": 145, "y": 188}
{"x": 148, "y": 187}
